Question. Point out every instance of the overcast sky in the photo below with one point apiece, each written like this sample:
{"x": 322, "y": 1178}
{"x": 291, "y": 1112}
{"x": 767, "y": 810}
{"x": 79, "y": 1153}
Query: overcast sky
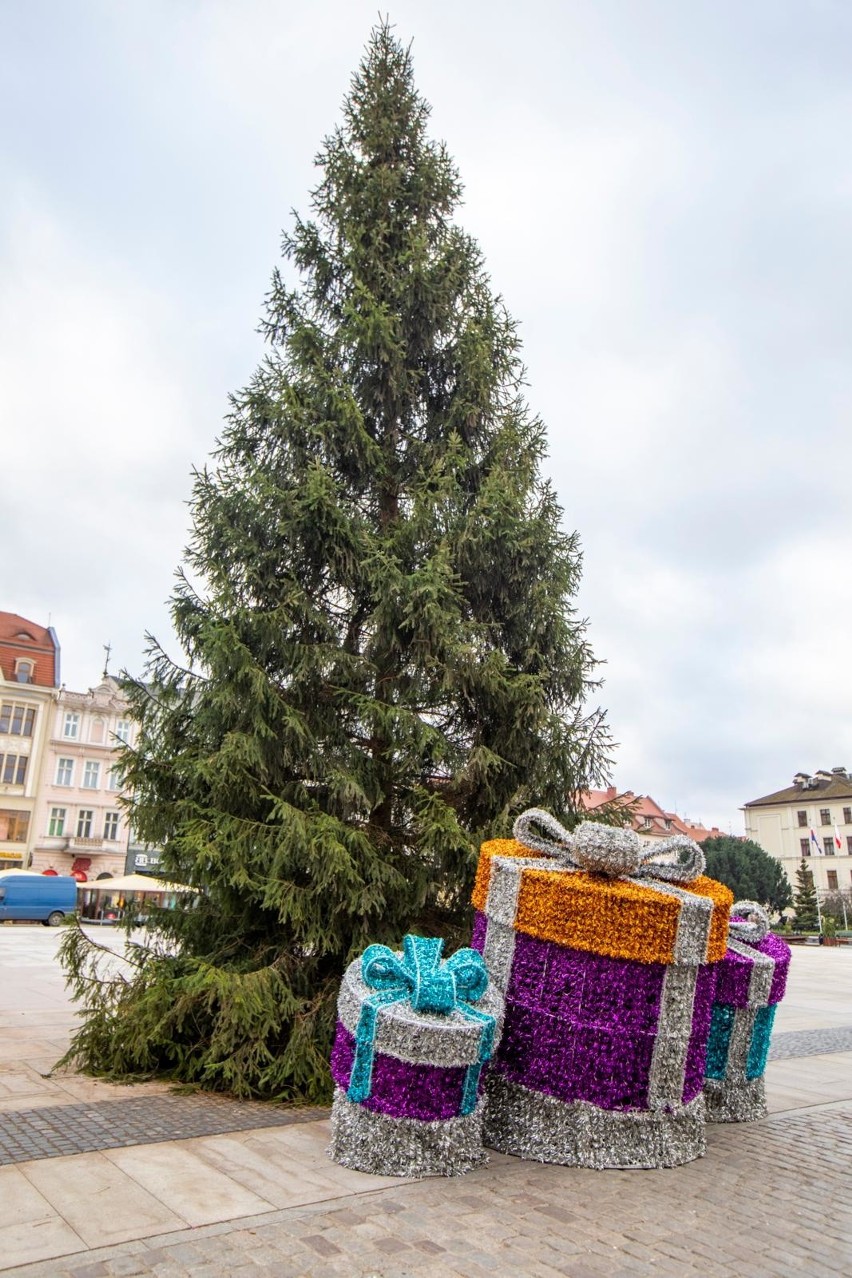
{"x": 663, "y": 193}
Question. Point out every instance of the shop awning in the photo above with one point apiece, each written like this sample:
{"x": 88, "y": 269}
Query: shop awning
{"x": 133, "y": 883}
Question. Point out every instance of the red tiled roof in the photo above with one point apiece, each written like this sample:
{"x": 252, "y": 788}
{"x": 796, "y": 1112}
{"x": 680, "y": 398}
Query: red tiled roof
{"x": 19, "y": 638}
{"x": 648, "y": 816}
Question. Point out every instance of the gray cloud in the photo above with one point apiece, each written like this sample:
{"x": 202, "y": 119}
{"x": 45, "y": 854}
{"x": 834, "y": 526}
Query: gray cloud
{"x": 662, "y": 192}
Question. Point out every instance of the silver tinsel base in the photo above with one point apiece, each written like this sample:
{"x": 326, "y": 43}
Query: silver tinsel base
{"x": 734, "y": 1100}
{"x": 384, "y": 1146}
{"x": 532, "y": 1125}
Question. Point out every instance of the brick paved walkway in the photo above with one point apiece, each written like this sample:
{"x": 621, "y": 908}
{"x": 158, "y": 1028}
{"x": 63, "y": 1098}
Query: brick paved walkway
{"x": 769, "y": 1201}
{"x": 810, "y": 1042}
{"x": 55, "y": 1130}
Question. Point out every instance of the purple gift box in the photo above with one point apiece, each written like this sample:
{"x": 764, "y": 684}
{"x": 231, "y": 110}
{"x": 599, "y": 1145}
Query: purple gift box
{"x": 584, "y": 1027}
{"x": 751, "y": 982}
{"x": 402, "y": 1089}
{"x": 411, "y": 1103}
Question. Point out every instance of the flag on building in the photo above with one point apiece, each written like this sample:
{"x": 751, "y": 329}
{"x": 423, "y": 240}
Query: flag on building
{"x": 837, "y": 842}
{"x": 815, "y": 842}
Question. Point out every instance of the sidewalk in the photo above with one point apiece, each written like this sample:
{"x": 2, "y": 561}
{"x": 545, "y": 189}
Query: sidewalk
{"x": 238, "y": 1198}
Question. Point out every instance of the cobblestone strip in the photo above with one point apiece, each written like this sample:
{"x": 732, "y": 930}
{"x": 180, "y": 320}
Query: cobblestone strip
{"x": 768, "y": 1202}
{"x": 54, "y": 1130}
{"x": 810, "y": 1042}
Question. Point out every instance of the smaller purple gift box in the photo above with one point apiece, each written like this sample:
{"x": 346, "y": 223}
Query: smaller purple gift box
{"x": 751, "y": 981}
{"x": 413, "y": 1039}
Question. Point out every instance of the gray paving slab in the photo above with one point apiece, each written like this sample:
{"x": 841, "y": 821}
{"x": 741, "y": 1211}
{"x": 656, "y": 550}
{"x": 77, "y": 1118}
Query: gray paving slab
{"x": 772, "y": 1200}
{"x": 56, "y": 1130}
{"x": 815, "y": 1042}
{"x": 768, "y": 1199}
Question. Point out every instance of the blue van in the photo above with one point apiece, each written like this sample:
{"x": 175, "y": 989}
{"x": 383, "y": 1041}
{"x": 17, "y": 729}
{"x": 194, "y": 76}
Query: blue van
{"x": 43, "y": 898}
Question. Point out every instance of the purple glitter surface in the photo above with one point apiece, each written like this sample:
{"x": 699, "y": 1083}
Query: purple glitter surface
{"x": 400, "y": 1088}
{"x": 735, "y": 973}
{"x": 606, "y": 1065}
{"x": 589, "y": 989}
{"x": 781, "y": 952}
{"x": 733, "y": 979}
{"x": 702, "y": 1015}
{"x": 480, "y": 927}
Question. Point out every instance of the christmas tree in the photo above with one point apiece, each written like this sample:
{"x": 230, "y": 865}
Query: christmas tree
{"x": 383, "y": 659}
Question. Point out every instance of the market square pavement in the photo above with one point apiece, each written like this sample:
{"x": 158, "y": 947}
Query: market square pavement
{"x": 99, "y": 1180}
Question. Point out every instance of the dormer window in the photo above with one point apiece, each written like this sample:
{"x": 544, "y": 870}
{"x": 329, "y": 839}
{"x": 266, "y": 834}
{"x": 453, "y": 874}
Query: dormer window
{"x": 24, "y": 671}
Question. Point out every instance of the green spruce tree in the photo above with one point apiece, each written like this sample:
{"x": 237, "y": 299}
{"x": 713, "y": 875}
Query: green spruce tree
{"x": 805, "y": 900}
{"x": 383, "y": 659}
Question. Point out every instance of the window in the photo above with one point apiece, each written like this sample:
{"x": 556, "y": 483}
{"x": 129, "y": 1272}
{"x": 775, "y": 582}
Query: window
{"x": 65, "y": 772}
{"x": 849, "y": 844}
{"x": 114, "y": 779}
{"x": 825, "y": 816}
{"x": 802, "y": 818}
{"x": 24, "y": 671}
{"x": 832, "y": 880}
{"x": 667, "y": 823}
{"x": 828, "y": 845}
{"x": 71, "y": 726}
{"x": 122, "y": 730}
{"x": 847, "y": 816}
{"x": 110, "y": 825}
{"x": 16, "y": 720}
{"x": 57, "y": 821}
{"x": 13, "y": 768}
{"x": 84, "y": 823}
{"x": 14, "y": 826}
{"x": 91, "y": 776}
{"x": 805, "y": 846}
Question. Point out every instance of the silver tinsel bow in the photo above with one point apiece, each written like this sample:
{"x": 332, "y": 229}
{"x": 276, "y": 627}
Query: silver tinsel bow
{"x": 605, "y": 849}
{"x": 749, "y": 922}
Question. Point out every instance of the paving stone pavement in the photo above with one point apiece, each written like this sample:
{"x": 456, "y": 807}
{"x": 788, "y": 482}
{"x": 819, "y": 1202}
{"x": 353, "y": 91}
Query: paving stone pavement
{"x": 772, "y": 1201}
{"x": 56, "y": 1130}
{"x": 769, "y": 1199}
{"x": 810, "y": 1042}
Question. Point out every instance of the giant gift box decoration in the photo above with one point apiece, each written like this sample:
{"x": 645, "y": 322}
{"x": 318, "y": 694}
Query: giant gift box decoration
{"x": 606, "y": 958}
{"x": 750, "y": 984}
{"x": 409, "y": 1057}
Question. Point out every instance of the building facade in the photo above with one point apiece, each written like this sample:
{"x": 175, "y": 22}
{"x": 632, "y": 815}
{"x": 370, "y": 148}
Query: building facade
{"x": 81, "y": 827}
{"x": 29, "y": 678}
{"x": 811, "y": 820}
{"x": 651, "y": 822}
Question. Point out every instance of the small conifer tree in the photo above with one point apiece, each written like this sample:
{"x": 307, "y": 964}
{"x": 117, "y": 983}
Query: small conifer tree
{"x": 383, "y": 660}
{"x": 805, "y": 900}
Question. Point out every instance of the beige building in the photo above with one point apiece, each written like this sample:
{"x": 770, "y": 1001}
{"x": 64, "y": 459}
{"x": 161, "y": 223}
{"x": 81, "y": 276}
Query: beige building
{"x": 29, "y": 673}
{"x": 810, "y": 819}
{"x": 81, "y": 828}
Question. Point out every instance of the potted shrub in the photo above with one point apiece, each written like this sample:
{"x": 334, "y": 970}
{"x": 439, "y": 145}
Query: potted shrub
{"x": 829, "y": 931}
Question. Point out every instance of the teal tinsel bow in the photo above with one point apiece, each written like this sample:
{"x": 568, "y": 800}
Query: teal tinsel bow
{"x": 431, "y": 985}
